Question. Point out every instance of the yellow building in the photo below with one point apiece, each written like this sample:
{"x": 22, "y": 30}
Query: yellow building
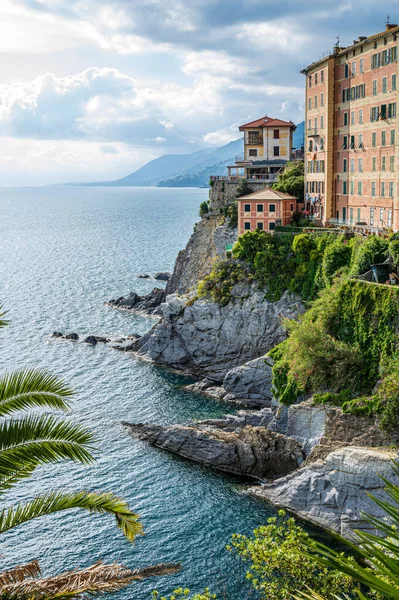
{"x": 267, "y": 148}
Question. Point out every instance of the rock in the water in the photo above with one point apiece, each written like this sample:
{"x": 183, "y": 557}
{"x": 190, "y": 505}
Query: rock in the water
{"x": 249, "y": 451}
{"x": 91, "y": 339}
{"x": 162, "y": 276}
{"x": 57, "y": 334}
{"x": 143, "y": 276}
{"x": 72, "y": 336}
{"x": 147, "y": 303}
{"x": 208, "y": 339}
{"x": 333, "y": 492}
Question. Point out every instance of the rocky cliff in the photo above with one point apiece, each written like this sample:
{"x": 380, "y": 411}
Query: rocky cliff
{"x": 207, "y": 339}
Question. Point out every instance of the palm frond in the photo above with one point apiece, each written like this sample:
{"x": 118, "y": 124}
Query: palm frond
{"x": 41, "y": 439}
{"x": 47, "y": 504}
{"x": 97, "y": 580}
{"x": 20, "y": 573}
{"x": 17, "y": 474}
{"x": 28, "y": 388}
{"x": 3, "y": 313}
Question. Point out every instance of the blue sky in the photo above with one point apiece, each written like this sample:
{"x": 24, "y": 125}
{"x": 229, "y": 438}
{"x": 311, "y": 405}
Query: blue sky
{"x": 93, "y": 89}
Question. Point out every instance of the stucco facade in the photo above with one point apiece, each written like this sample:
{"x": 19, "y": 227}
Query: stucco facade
{"x": 264, "y": 210}
{"x": 352, "y": 156}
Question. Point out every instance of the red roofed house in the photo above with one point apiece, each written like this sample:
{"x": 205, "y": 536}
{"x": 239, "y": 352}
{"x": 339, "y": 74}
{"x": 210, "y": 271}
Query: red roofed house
{"x": 264, "y": 210}
{"x": 267, "y": 148}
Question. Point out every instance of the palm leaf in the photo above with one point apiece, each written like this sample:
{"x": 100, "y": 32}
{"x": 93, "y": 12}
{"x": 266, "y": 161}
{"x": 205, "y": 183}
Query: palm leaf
{"x": 19, "y": 573}
{"x": 17, "y": 474}
{"x": 53, "y": 502}
{"x": 3, "y": 322}
{"x": 41, "y": 439}
{"x": 97, "y": 580}
{"x": 29, "y": 388}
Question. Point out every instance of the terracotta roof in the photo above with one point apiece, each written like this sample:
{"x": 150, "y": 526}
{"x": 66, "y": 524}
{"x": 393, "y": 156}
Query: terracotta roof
{"x": 267, "y": 122}
{"x": 267, "y": 194}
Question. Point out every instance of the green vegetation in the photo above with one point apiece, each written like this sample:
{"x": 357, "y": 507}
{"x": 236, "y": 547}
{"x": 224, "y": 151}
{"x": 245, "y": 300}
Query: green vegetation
{"x": 29, "y": 441}
{"x": 203, "y": 208}
{"x": 224, "y": 276}
{"x": 292, "y": 180}
{"x": 243, "y": 188}
{"x": 184, "y": 594}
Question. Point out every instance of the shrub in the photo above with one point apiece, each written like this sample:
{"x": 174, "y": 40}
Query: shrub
{"x": 249, "y": 244}
{"x": 203, "y": 209}
{"x": 394, "y": 250}
{"x": 220, "y": 282}
{"x": 232, "y": 214}
{"x": 336, "y": 256}
{"x": 277, "y": 566}
{"x": 243, "y": 188}
{"x": 373, "y": 250}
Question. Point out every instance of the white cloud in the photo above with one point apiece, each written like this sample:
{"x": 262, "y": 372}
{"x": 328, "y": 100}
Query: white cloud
{"x": 223, "y": 136}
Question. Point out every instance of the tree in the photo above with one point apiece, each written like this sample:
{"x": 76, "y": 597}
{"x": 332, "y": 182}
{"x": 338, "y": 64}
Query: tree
{"x": 203, "y": 209}
{"x": 376, "y": 564}
{"x": 292, "y": 180}
{"x": 31, "y": 440}
{"x": 243, "y": 188}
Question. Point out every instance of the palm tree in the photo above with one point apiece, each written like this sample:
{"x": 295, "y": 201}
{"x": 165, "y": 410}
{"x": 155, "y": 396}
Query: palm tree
{"x": 31, "y": 440}
{"x": 372, "y": 560}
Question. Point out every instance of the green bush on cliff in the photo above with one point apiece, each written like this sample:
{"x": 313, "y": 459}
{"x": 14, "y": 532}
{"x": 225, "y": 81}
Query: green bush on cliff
{"x": 203, "y": 208}
{"x": 346, "y": 341}
{"x": 220, "y": 282}
{"x": 366, "y": 252}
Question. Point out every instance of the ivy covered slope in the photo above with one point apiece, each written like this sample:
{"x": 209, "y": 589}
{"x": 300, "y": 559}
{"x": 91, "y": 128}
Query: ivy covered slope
{"x": 346, "y": 342}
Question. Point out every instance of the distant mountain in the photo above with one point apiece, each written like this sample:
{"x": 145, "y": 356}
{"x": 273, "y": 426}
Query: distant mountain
{"x": 299, "y": 136}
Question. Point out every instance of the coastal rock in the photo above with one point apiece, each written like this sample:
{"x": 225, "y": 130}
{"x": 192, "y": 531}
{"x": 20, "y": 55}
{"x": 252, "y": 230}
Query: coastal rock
{"x": 250, "y": 451}
{"x": 206, "y": 339}
{"x": 72, "y": 336}
{"x": 144, "y": 276}
{"x": 307, "y": 423}
{"x": 162, "y": 276}
{"x": 57, "y": 334}
{"x": 333, "y": 492}
{"x": 90, "y": 339}
{"x": 147, "y": 303}
{"x": 251, "y": 381}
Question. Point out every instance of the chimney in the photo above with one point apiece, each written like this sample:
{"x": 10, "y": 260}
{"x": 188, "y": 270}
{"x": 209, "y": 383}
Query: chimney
{"x": 390, "y": 26}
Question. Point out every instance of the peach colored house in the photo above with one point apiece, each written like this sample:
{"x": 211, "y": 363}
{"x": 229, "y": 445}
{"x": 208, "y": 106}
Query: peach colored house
{"x": 264, "y": 210}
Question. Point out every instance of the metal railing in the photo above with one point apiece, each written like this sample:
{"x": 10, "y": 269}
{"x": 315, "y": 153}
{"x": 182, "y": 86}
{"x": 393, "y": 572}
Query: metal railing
{"x": 313, "y": 132}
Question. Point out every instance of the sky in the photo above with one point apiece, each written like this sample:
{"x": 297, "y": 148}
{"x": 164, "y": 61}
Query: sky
{"x": 91, "y": 90}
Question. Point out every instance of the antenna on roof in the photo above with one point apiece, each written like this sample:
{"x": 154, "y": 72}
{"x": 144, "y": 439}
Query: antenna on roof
{"x": 337, "y": 43}
{"x": 387, "y": 21}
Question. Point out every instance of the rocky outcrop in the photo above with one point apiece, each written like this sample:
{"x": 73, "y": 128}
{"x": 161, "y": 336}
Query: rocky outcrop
{"x": 250, "y": 451}
{"x": 204, "y": 338}
{"x": 147, "y": 303}
{"x": 333, "y": 492}
{"x": 207, "y": 242}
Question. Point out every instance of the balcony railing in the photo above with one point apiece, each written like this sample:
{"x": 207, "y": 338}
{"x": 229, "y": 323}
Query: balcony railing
{"x": 313, "y": 132}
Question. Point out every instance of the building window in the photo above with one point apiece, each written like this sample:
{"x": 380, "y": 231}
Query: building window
{"x": 361, "y": 65}
{"x": 344, "y": 187}
{"x": 310, "y": 124}
{"x": 392, "y": 140}
{"x": 276, "y": 134}
{"x": 360, "y": 140}
{"x": 352, "y": 165}
{"x": 345, "y": 118}
{"x": 360, "y": 117}
{"x": 381, "y": 215}
{"x": 352, "y": 117}
{"x": 374, "y": 113}
{"x": 345, "y": 143}
{"x": 272, "y": 226}
{"x": 310, "y": 81}
{"x": 322, "y": 99}
{"x": 359, "y": 190}
{"x": 353, "y": 69}
{"x": 252, "y": 152}
{"x": 247, "y": 208}
{"x": 371, "y": 216}
{"x": 315, "y": 101}
{"x": 358, "y": 215}
{"x": 346, "y": 74}
{"x": 344, "y": 214}
{"x": 374, "y": 163}
{"x": 322, "y": 76}
{"x": 254, "y": 137}
{"x": 247, "y": 226}
{"x": 351, "y": 216}
{"x": 389, "y": 222}
{"x": 392, "y": 163}
{"x": 384, "y": 85}
{"x": 345, "y": 165}
{"x": 291, "y": 207}
{"x": 315, "y": 123}
{"x": 322, "y": 121}
{"x": 383, "y": 138}
{"x": 383, "y": 163}
{"x": 373, "y": 188}
{"x": 374, "y": 139}
{"x": 391, "y": 110}
{"x": 360, "y": 165}
{"x": 310, "y": 103}
{"x": 374, "y": 87}
{"x": 259, "y": 225}
{"x": 383, "y": 112}
{"x": 315, "y": 78}
{"x": 351, "y": 187}
{"x": 391, "y": 189}
{"x": 276, "y": 151}
{"x": 393, "y": 86}
{"x": 272, "y": 208}
{"x": 382, "y": 194}
{"x": 375, "y": 45}
{"x": 259, "y": 208}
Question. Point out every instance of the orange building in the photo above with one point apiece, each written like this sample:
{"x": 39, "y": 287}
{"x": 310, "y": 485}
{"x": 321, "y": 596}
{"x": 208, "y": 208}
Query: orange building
{"x": 351, "y": 149}
{"x": 264, "y": 210}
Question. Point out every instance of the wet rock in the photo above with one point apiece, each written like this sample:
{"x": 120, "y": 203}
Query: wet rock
{"x": 57, "y": 334}
{"x": 72, "y": 336}
{"x": 91, "y": 339}
{"x": 147, "y": 303}
{"x": 162, "y": 276}
{"x": 143, "y": 276}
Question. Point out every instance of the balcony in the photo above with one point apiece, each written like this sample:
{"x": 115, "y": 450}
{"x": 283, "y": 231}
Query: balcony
{"x": 313, "y": 132}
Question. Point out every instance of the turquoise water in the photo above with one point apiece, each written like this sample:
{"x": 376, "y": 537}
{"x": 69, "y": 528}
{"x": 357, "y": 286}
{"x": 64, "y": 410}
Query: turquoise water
{"x": 64, "y": 251}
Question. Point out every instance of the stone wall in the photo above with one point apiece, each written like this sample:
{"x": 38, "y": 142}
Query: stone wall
{"x": 224, "y": 192}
